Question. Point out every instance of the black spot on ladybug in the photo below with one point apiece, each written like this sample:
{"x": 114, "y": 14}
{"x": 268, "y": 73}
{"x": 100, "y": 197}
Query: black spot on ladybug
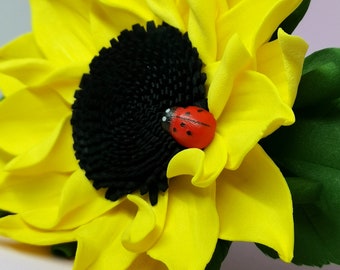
{"x": 188, "y": 113}
{"x": 174, "y": 130}
{"x": 189, "y": 133}
{"x": 182, "y": 124}
{"x": 200, "y": 110}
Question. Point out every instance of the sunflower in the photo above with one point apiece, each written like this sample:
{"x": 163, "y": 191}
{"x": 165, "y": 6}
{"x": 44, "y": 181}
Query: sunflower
{"x": 83, "y": 154}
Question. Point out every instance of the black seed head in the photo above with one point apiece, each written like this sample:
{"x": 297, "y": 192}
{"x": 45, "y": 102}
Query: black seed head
{"x": 118, "y": 135}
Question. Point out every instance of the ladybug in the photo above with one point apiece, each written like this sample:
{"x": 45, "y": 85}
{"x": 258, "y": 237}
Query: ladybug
{"x": 191, "y": 127}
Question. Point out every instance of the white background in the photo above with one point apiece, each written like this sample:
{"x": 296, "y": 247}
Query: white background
{"x": 320, "y": 28}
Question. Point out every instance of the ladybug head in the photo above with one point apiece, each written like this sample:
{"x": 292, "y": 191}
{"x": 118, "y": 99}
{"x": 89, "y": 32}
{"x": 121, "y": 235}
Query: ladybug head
{"x": 167, "y": 118}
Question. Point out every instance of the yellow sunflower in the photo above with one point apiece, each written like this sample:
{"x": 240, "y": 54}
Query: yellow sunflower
{"x": 229, "y": 190}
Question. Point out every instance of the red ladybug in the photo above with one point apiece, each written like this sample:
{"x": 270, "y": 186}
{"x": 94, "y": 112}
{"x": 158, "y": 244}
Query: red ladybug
{"x": 191, "y": 127}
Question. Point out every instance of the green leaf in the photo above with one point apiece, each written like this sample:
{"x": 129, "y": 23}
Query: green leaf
{"x": 317, "y": 223}
{"x": 290, "y": 23}
{"x": 267, "y": 250}
{"x": 65, "y": 250}
{"x": 221, "y": 251}
{"x": 304, "y": 191}
{"x": 320, "y": 81}
{"x": 313, "y": 244}
{"x": 314, "y": 138}
{"x": 308, "y": 153}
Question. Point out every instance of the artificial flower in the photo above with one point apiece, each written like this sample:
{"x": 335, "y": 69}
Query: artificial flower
{"x": 229, "y": 190}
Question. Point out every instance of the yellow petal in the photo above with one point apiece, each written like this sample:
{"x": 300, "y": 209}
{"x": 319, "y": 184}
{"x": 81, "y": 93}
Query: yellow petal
{"x": 14, "y": 227}
{"x": 202, "y": 29}
{"x": 191, "y": 228}
{"x": 25, "y": 193}
{"x": 254, "y": 204}
{"x": 254, "y": 21}
{"x": 53, "y": 154}
{"x": 187, "y": 162}
{"x": 41, "y": 74}
{"x": 222, "y": 5}
{"x": 62, "y": 30}
{"x": 147, "y": 225}
{"x": 204, "y": 166}
{"x": 27, "y": 119}
{"x": 221, "y": 78}
{"x": 253, "y": 110}
{"x": 4, "y": 159}
{"x": 144, "y": 262}
{"x": 281, "y": 61}
{"x": 170, "y": 12}
{"x": 79, "y": 203}
{"x": 109, "y": 18}
{"x": 232, "y": 3}
{"x": 26, "y": 70}
{"x": 99, "y": 241}
{"x": 104, "y": 248}
{"x": 13, "y": 50}
{"x": 64, "y": 80}
{"x": 9, "y": 85}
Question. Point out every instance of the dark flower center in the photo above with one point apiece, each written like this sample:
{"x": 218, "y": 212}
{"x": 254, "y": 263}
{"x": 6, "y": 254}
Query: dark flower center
{"x": 117, "y": 131}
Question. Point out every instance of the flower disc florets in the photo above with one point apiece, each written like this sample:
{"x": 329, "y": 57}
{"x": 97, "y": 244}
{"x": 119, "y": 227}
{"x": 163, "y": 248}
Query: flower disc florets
{"x": 118, "y": 137}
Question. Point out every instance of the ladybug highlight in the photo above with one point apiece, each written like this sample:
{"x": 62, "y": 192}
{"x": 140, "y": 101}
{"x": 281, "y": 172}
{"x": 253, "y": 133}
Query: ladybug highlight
{"x": 191, "y": 127}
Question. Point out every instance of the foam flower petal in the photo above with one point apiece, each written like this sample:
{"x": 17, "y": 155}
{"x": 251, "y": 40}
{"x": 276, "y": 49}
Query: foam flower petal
{"x": 113, "y": 247}
{"x": 147, "y": 225}
{"x": 17, "y": 136}
{"x": 254, "y": 28}
{"x": 14, "y": 227}
{"x": 201, "y": 29}
{"x": 194, "y": 165}
{"x": 254, "y": 107}
{"x": 108, "y": 18}
{"x": 200, "y": 164}
{"x": 73, "y": 30}
{"x": 223, "y": 74}
{"x": 144, "y": 262}
{"x": 54, "y": 154}
{"x": 26, "y": 70}
{"x": 173, "y": 13}
{"x": 254, "y": 204}
{"x": 13, "y": 50}
{"x": 106, "y": 248}
{"x": 282, "y": 64}
{"x": 62, "y": 80}
{"x": 9, "y": 85}
{"x": 21, "y": 194}
{"x": 4, "y": 159}
{"x": 190, "y": 227}
{"x": 78, "y": 204}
